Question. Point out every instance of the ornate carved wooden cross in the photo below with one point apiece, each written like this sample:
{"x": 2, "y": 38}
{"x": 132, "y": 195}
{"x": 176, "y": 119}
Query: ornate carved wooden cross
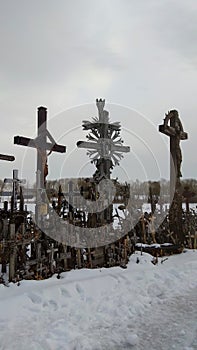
{"x": 176, "y": 133}
{"x": 104, "y": 143}
{"x": 105, "y": 148}
{"x": 41, "y": 144}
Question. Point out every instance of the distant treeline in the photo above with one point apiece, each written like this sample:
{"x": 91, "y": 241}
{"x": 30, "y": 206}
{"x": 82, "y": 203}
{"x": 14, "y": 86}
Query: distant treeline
{"x": 137, "y": 188}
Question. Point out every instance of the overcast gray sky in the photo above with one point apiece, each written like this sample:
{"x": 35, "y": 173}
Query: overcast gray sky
{"x": 66, "y": 53}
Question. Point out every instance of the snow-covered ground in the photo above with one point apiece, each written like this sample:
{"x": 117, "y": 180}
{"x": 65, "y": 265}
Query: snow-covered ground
{"x": 145, "y": 306}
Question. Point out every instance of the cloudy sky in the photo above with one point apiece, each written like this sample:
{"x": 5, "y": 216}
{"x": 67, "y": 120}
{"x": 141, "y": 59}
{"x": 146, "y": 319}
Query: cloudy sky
{"x": 141, "y": 56}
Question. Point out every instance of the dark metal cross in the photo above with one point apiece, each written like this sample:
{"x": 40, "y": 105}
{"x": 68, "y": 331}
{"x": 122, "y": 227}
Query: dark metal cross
{"x": 41, "y": 144}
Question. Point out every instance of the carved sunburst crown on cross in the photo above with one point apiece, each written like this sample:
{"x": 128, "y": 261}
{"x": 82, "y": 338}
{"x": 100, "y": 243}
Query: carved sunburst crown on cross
{"x": 104, "y": 137}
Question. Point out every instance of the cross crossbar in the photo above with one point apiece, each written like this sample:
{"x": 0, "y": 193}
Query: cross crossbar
{"x": 7, "y": 158}
{"x": 25, "y": 141}
{"x": 107, "y": 144}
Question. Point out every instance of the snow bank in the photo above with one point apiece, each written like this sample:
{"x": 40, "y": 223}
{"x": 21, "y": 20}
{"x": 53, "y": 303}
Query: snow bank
{"x": 91, "y": 309}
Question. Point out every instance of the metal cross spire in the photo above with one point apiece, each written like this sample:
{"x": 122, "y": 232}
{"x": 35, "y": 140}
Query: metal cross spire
{"x": 104, "y": 141}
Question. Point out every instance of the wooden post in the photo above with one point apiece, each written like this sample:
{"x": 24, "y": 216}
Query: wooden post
{"x": 5, "y": 232}
{"x": 12, "y": 263}
{"x": 15, "y": 189}
{"x": 64, "y": 256}
{"x": 38, "y": 251}
{"x": 143, "y": 229}
{"x": 152, "y": 227}
{"x": 41, "y": 151}
{"x": 195, "y": 239}
{"x": 89, "y": 257}
{"x": 13, "y": 250}
{"x": 51, "y": 252}
{"x": 79, "y": 258}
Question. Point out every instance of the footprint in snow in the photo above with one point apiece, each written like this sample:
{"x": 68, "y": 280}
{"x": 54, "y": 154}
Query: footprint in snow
{"x": 50, "y": 305}
{"x": 53, "y": 305}
{"x": 35, "y": 299}
{"x": 45, "y": 304}
{"x": 123, "y": 278}
{"x": 79, "y": 290}
{"x": 64, "y": 292}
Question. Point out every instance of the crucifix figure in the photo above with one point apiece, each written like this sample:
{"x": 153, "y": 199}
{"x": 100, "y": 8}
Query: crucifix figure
{"x": 176, "y": 133}
{"x": 41, "y": 144}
